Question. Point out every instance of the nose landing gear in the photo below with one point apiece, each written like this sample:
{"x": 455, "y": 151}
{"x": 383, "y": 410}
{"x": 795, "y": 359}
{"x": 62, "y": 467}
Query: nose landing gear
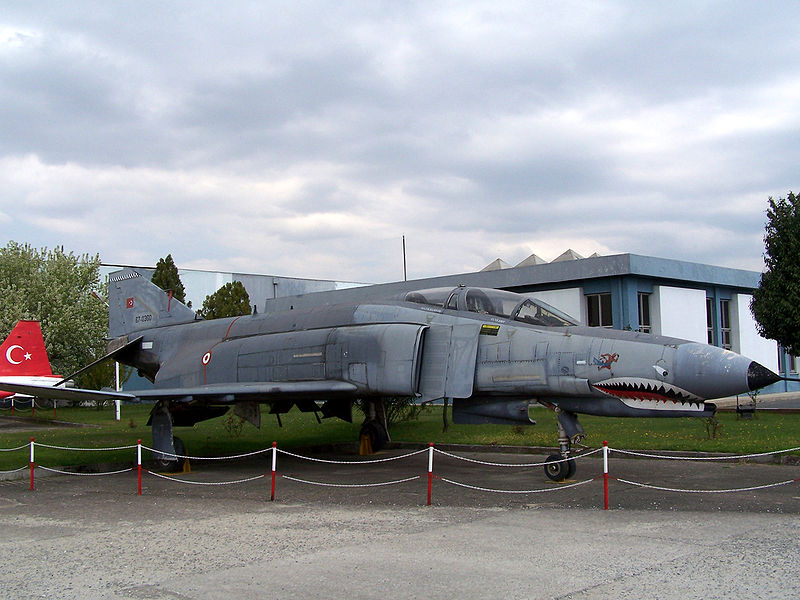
{"x": 561, "y": 467}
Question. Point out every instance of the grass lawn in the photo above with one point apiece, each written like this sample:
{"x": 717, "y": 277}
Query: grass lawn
{"x": 219, "y": 437}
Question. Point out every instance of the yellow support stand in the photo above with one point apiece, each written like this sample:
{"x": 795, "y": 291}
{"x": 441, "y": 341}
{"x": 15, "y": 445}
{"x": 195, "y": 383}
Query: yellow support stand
{"x": 365, "y": 448}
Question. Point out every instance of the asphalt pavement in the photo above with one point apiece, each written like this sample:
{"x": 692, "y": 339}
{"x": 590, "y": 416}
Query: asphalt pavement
{"x": 82, "y": 536}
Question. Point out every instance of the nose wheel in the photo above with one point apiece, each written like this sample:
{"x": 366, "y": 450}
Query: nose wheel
{"x": 559, "y": 468}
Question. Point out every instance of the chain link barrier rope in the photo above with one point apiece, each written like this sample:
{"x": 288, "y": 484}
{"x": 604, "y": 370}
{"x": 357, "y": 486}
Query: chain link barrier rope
{"x": 187, "y": 482}
{"x": 537, "y": 464}
{"x": 687, "y": 491}
{"x": 350, "y": 485}
{"x": 84, "y": 449}
{"x": 536, "y": 491}
{"x": 697, "y": 458}
{"x": 231, "y": 457}
{"x": 351, "y": 462}
{"x": 430, "y": 450}
{"x": 25, "y": 468}
{"x": 43, "y": 468}
{"x": 25, "y": 446}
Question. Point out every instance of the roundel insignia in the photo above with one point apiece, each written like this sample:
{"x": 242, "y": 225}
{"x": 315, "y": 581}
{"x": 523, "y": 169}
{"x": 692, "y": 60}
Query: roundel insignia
{"x": 206, "y": 358}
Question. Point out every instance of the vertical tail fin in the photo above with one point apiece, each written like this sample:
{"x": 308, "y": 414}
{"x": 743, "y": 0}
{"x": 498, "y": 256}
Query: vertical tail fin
{"x": 23, "y": 352}
{"x": 135, "y": 304}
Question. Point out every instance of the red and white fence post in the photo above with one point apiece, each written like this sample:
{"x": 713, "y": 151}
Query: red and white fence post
{"x": 139, "y": 465}
{"x": 274, "y": 464}
{"x": 430, "y": 472}
{"x": 32, "y": 460}
{"x": 605, "y": 475}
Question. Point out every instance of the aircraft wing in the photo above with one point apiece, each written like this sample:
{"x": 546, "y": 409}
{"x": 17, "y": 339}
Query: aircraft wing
{"x": 265, "y": 391}
{"x": 223, "y": 393}
{"x": 49, "y": 392}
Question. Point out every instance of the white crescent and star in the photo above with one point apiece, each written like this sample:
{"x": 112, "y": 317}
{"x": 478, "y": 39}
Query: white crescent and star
{"x": 10, "y": 359}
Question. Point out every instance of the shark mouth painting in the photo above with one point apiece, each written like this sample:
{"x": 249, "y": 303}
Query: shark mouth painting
{"x": 649, "y": 394}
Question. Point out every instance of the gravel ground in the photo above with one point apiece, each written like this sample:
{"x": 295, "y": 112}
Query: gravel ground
{"x": 93, "y": 537}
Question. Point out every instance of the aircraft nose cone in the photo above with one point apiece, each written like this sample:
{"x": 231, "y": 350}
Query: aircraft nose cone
{"x": 711, "y": 372}
{"x": 759, "y": 376}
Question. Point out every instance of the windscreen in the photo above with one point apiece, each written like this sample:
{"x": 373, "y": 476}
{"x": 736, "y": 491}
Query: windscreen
{"x": 534, "y": 312}
{"x": 434, "y": 297}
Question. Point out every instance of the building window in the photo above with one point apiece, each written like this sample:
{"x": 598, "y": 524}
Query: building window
{"x": 710, "y": 320}
{"x": 644, "y": 313}
{"x": 598, "y": 310}
{"x": 725, "y": 324}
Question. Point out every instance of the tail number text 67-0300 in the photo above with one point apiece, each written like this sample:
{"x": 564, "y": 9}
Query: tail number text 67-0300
{"x": 144, "y": 318}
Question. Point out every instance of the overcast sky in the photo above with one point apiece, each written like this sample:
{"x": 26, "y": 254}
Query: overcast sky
{"x": 305, "y": 138}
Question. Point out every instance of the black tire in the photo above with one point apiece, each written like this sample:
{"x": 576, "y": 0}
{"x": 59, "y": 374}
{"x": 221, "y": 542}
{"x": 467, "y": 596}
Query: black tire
{"x": 377, "y": 434}
{"x": 559, "y": 471}
{"x": 173, "y": 466}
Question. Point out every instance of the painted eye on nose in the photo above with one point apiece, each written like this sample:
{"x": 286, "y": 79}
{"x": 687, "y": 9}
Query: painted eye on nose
{"x": 661, "y": 371}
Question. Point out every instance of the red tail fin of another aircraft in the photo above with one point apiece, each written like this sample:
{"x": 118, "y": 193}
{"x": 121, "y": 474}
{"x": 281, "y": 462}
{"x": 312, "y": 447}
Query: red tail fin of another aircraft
{"x": 23, "y": 352}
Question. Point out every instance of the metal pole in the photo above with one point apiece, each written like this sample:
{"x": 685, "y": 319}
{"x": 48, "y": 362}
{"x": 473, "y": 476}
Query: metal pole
{"x": 430, "y": 472}
{"x": 32, "y": 460}
{"x": 274, "y": 462}
{"x": 405, "y": 274}
{"x": 117, "y": 402}
{"x": 605, "y": 475}
{"x": 139, "y": 464}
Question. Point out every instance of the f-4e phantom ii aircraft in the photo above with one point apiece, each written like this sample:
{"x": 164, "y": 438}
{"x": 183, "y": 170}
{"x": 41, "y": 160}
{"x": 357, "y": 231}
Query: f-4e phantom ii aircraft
{"x": 492, "y": 352}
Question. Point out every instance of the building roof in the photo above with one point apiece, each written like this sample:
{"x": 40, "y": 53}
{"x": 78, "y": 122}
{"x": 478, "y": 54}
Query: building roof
{"x": 552, "y": 275}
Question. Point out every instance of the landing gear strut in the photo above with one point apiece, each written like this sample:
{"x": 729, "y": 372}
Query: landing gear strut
{"x": 374, "y": 432}
{"x": 168, "y": 448}
{"x": 560, "y": 466}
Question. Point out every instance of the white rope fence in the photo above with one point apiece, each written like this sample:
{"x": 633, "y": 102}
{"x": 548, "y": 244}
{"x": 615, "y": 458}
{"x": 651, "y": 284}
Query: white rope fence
{"x": 186, "y": 457}
{"x": 23, "y": 447}
{"x": 700, "y": 458}
{"x": 688, "y": 491}
{"x": 14, "y": 470}
{"x": 274, "y": 450}
{"x": 186, "y": 481}
{"x": 534, "y": 491}
{"x": 351, "y": 462}
{"x": 536, "y": 464}
{"x": 73, "y": 449}
{"x": 350, "y": 485}
{"x": 61, "y": 472}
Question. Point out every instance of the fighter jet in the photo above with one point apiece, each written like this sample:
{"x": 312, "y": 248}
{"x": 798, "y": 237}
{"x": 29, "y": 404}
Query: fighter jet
{"x": 491, "y": 352}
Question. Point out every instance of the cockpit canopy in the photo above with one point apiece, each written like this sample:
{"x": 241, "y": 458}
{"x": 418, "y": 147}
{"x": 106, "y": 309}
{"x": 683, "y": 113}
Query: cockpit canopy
{"x": 499, "y": 303}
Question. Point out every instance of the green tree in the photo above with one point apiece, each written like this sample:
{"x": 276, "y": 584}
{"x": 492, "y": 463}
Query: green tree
{"x": 231, "y": 300}
{"x": 55, "y": 288}
{"x": 166, "y": 277}
{"x": 776, "y": 302}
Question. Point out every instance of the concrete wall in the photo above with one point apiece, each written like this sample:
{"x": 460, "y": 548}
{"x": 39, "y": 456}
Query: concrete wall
{"x": 746, "y": 340}
{"x": 679, "y": 312}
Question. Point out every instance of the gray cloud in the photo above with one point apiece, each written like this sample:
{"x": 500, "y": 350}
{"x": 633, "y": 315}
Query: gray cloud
{"x": 304, "y": 139}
